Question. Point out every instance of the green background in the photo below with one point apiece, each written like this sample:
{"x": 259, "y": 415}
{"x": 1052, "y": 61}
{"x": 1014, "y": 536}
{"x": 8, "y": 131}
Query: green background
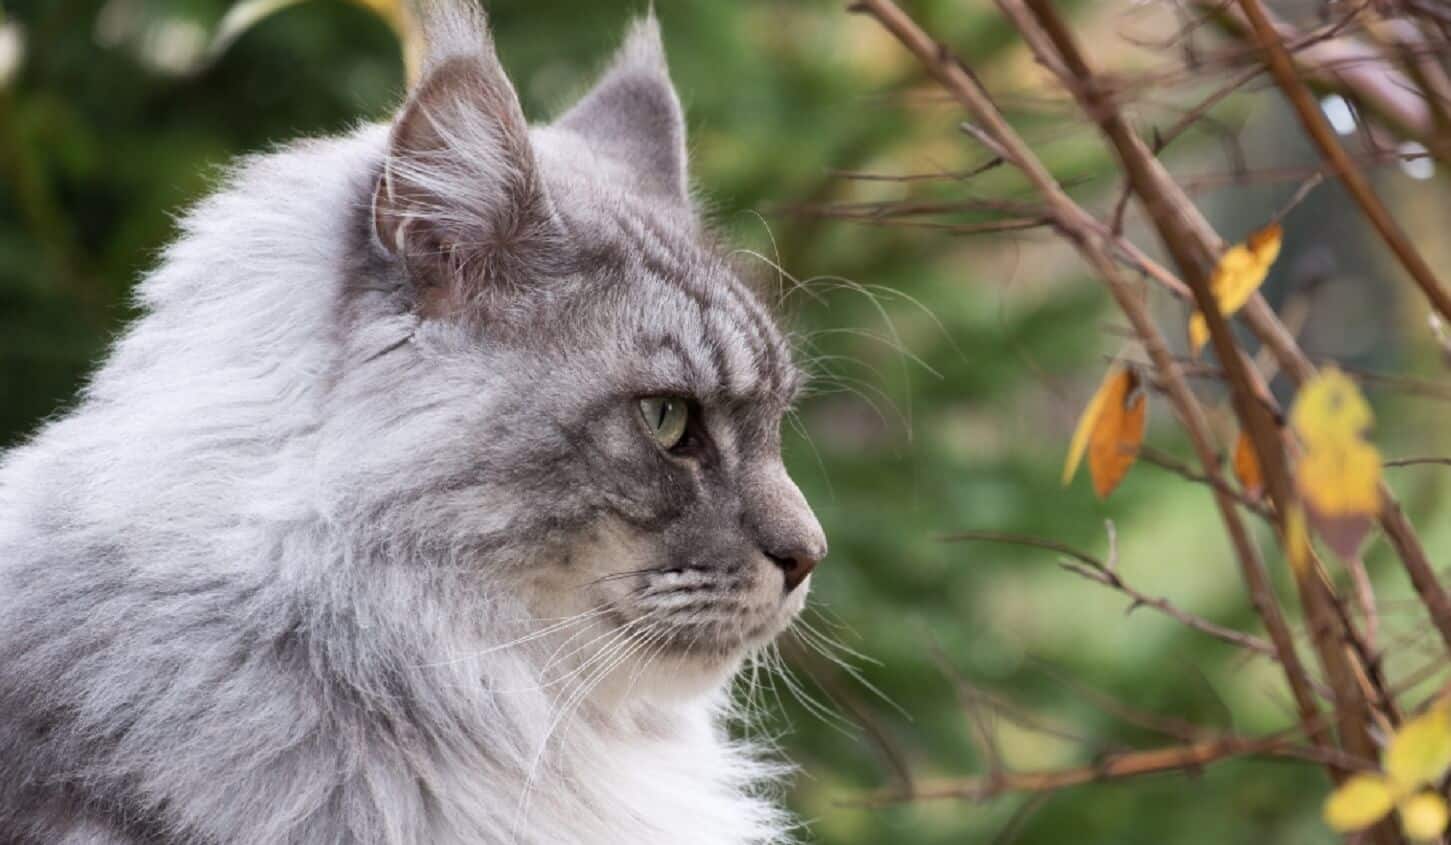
{"x": 952, "y": 367}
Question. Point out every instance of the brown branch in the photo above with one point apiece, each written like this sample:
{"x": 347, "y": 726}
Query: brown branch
{"x": 1025, "y": 540}
{"x": 1364, "y": 593}
{"x": 1238, "y": 639}
{"x": 1282, "y": 67}
{"x": 936, "y": 176}
{"x": 1110, "y": 768}
{"x": 1100, "y": 572}
{"x": 1280, "y": 341}
{"x": 1082, "y": 230}
{"x": 1165, "y": 461}
{"x": 1406, "y": 384}
{"x": 1177, "y": 233}
{"x": 1181, "y": 226}
{"x": 1348, "y": 66}
{"x": 1407, "y": 462}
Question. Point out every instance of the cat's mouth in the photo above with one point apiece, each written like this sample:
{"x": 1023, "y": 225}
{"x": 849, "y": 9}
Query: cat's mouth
{"x": 709, "y": 614}
{"x": 665, "y": 616}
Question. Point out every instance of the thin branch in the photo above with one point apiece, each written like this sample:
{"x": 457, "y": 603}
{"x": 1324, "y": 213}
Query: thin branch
{"x": 1177, "y": 233}
{"x": 1082, "y": 231}
{"x": 1121, "y": 766}
{"x": 1282, "y": 67}
{"x": 1026, "y": 540}
{"x": 1238, "y": 639}
{"x": 1348, "y": 66}
{"x": 1099, "y": 571}
{"x": 1407, "y": 462}
{"x": 1165, "y": 461}
{"x": 1246, "y": 388}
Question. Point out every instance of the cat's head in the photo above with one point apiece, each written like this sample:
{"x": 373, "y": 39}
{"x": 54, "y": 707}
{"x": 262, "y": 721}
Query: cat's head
{"x": 553, "y": 378}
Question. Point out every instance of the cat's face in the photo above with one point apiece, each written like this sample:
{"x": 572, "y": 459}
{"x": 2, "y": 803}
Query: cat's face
{"x": 593, "y": 398}
{"x": 691, "y": 534}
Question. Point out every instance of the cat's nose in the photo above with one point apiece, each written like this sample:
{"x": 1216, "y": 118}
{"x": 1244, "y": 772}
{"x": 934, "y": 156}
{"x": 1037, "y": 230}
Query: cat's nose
{"x": 782, "y": 524}
{"x": 797, "y": 563}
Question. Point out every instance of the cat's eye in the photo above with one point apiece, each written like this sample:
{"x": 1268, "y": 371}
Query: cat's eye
{"x": 666, "y": 418}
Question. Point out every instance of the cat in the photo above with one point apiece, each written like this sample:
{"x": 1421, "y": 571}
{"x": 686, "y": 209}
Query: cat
{"x": 434, "y": 497}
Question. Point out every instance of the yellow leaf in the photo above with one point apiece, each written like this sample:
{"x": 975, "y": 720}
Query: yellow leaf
{"x": 1241, "y": 271}
{"x": 1341, "y": 478}
{"x": 1420, "y": 751}
{"x": 1113, "y": 445}
{"x": 1424, "y": 815}
{"x": 1358, "y": 803}
{"x": 1338, "y": 473}
{"x": 1247, "y": 467}
{"x": 1330, "y": 407}
{"x": 1079, "y": 443}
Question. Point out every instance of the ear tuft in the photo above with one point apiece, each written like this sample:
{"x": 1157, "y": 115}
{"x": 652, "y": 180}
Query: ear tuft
{"x": 460, "y": 201}
{"x": 633, "y": 115}
{"x": 644, "y": 49}
{"x": 450, "y": 29}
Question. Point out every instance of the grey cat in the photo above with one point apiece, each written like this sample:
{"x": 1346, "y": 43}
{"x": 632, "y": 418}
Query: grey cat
{"x": 434, "y": 498}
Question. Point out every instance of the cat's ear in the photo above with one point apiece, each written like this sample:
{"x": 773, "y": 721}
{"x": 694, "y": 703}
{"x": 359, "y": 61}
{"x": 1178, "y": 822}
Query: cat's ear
{"x": 460, "y": 199}
{"x": 633, "y": 115}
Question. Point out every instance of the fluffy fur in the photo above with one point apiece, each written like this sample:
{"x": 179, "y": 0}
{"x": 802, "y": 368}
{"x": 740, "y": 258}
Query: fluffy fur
{"x": 358, "y": 535}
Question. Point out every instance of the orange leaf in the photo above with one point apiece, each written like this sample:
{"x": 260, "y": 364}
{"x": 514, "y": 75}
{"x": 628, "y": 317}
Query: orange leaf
{"x": 1114, "y": 442}
{"x": 1079, "y": 443}
{"x": 1240, "y": 272}
{"x": 1247, "y": 467}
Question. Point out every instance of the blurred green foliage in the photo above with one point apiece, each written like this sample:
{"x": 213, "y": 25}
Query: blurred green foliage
{"x": 948, "y": 388}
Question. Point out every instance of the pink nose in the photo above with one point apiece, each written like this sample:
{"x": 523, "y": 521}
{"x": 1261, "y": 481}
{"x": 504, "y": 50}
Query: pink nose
{"x": 796, "y": 564}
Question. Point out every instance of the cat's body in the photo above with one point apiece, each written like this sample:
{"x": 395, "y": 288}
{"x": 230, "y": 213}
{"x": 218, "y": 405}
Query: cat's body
{"x": 349, "y": 543}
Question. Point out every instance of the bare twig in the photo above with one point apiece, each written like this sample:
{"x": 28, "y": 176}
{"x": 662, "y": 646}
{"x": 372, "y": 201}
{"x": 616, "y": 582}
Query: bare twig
{"x": 1165, "y": 461}
{"x": 1407, "y": 462}
{"x": 1348, "y": 66}
{"x": 1282, "y": 67}
{"x": 1082, "y": 230}
{"x": 1087, "y": 566}
{"x": 1111, "y": 767}
{"x": 1238, "y": 639}
{"x": 1177, "y": 233}
{"x": 1364, "y": 594}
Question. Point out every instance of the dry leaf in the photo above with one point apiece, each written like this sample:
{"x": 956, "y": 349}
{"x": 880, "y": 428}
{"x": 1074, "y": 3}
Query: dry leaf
{"x": 1339, "y": 473}
{"x": 1110, "y": 431}
{"x": 1114, "y": 444}
{"x": 1079, "y": 443}
{"x": 1360, "y": 802}
{"x": 1241, "y": 271}
{"x": 1418, "y": 756}
{"x": 1247, "y": 467}
{"x": 1424, "y": 815}
{"x": 1420, "y": 751}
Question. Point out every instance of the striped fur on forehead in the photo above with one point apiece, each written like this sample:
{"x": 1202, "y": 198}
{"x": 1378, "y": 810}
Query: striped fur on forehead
{"x": 731, "y": 333}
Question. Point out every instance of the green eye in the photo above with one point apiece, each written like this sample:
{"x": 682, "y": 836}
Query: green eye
{"x": 666, "y": 417}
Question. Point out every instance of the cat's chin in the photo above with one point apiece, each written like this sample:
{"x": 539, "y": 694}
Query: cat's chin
{"x": 677, "y": 677}
{"x": 702, "y": 661}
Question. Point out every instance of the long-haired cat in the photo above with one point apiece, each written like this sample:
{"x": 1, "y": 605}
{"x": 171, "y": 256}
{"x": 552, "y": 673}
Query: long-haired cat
{"x": 434, "y": 498}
